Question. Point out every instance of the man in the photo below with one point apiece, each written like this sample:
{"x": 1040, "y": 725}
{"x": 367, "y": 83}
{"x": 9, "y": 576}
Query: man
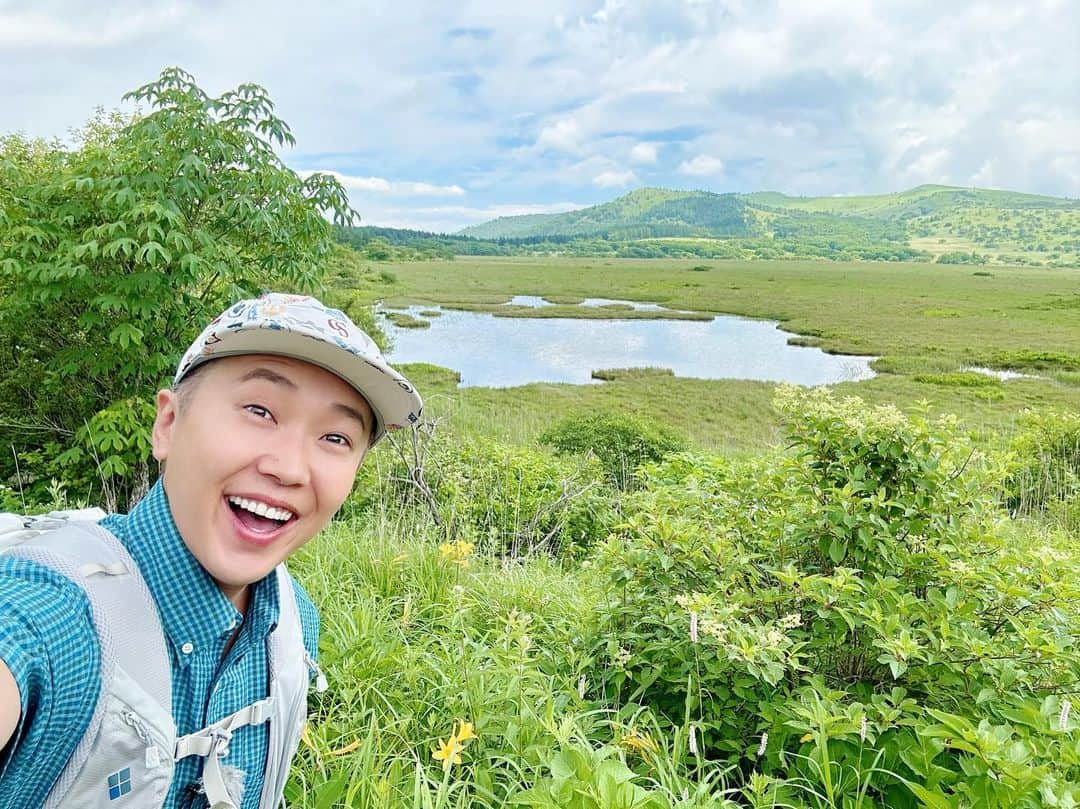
{"x": 271, "y": 412}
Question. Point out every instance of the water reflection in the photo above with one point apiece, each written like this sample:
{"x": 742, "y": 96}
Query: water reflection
{"x": 503, "y": 352}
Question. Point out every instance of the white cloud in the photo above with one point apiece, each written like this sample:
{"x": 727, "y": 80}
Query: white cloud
{"x": 614, "y": 179}
{"x": 644, "y": 153}
{"x": 495, "y": 211}
{"x": 673, "y": 87}
{"x": 558, "y": 99}
{"x": 451, "y": 218}
{"x": 400, "y": 188}
{"x": 36, "y": 29}
{"x": 563, "y": 136}
{"x": 701, "y": 166}
{"x": 429, "y": 190}
{"x": 929, "y": 167}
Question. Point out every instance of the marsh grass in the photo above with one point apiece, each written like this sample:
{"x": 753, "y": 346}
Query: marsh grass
{"x": 960, "y": 379}
{"x": 610, "y": 311}
{"x": 411, "y": 643}
{"x": 404, "y": 320}
{"x": 869, "y": 307}
{"x": 733, "y": 417}
{"x": 613, "y": 374}
{"x": 1011, "y": 320}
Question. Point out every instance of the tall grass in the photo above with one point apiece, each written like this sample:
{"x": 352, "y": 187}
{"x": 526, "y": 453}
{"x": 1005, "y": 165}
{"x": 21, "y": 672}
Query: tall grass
{"x": 414, "y": 641}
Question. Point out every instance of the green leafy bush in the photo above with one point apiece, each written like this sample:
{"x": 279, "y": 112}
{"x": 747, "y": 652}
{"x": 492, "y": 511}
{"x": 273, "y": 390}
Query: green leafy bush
{"x": 114, "y": 252}
{"x": 620, "y": 442}
{"x": 960, "y": 257}
{"x": 511, "y": 500}
{"x": 853, "y": 618}
{"x": 581, "y": 777}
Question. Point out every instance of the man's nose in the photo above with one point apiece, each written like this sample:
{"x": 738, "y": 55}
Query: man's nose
{"x": 285, "y": 458}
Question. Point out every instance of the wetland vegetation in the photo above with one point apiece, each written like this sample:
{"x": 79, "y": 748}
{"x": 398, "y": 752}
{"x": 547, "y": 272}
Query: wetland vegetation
{"x": 652, "y": 591}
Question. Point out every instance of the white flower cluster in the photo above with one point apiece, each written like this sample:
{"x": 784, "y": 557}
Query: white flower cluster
{"x": 790, "y": 621}
{"x": 738, "y": 635}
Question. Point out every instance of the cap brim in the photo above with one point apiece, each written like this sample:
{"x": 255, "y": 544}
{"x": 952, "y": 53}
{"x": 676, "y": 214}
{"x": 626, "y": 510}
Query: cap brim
{"x": 393, "y": 399}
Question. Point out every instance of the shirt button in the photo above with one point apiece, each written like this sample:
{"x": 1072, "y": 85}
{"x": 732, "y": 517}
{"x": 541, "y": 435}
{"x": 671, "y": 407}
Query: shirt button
{"x": 187, "y": 648}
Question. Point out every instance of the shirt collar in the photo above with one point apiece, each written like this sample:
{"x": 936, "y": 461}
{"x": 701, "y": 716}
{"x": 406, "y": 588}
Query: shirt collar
{"x": 192, "y": 608}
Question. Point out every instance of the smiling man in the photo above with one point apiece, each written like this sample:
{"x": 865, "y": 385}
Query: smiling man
{"x": 162, "y": 658}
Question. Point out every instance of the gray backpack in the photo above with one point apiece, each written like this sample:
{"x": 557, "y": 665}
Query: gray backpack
{"x": 130, "y": 748}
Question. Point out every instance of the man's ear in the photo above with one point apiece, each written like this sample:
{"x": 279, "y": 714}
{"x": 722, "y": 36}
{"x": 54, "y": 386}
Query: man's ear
{"x": 168, "y": 410}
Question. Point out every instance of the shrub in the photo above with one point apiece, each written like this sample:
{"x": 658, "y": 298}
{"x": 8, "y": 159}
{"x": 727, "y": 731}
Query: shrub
{"x": 960, "y": 257}
{"x": 509, "y": 500}
{"x": 852, "y": 618}
{"x": 620, "y": 442}
{"x": 112, "y": 251}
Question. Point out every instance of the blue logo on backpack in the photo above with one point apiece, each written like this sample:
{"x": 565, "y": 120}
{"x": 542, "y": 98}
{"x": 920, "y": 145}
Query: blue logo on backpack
{"x": 119, "y": 784}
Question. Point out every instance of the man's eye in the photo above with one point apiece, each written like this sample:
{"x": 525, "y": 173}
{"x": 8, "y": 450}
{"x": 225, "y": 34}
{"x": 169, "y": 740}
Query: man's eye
{"x": 259, "y": 411}
{"x": 338, "y": 438}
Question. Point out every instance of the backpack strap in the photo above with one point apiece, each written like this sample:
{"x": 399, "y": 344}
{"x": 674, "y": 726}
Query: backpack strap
{"x": 212, "y": 743}
{"x": 17, "y": 528}
{"x": 125, "y": 617}
{"x": 290, "y": 677}
{"x": 285, "y": 708}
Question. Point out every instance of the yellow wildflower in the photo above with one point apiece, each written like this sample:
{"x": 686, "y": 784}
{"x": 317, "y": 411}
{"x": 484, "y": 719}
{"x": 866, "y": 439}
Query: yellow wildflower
{"x": 349, "y": 748}
{"x": 466, "y": 732}
{"x": 457, "y": 552}
{"x": 640, "y": 742}
{"x": 449, "y": 753}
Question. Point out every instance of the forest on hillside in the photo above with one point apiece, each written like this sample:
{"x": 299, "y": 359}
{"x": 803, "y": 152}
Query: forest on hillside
{"x": 929, "y": 223}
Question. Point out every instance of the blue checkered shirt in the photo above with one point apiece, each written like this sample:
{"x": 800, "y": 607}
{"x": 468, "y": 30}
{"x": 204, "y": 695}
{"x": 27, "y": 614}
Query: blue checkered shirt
{"x": 47, "y": 639}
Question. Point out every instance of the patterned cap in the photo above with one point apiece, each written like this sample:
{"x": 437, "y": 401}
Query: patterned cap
{"x": 300, "y": 327}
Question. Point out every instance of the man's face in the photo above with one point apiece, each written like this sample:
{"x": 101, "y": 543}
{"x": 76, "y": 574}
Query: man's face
{"x": 261, "y": 454}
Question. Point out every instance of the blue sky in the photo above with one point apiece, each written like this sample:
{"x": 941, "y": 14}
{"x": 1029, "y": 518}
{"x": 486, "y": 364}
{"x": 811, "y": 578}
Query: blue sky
{"x": 439, "y": 115}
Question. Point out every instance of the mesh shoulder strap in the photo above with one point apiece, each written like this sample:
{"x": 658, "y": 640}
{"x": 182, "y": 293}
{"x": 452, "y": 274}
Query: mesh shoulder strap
{"x": 125, "y": 617}
{"x": 289, "y": 678}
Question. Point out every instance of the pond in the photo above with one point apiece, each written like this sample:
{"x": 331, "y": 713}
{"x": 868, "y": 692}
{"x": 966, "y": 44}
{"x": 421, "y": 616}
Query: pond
{"x": 503, "y": 352}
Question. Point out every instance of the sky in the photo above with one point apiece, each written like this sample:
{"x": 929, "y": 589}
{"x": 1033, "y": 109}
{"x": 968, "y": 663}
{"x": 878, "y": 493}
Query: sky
{"x": 438, "y": 115}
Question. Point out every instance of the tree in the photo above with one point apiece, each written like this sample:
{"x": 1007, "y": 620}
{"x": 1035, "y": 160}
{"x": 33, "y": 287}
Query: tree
{"x": 114, "y": 252}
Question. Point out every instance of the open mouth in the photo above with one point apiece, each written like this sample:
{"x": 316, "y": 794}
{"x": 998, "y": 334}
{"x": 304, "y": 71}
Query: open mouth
{"x": 257, "y": 516}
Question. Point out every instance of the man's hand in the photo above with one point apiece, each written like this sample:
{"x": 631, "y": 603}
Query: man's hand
{"x": 10, "y": 705}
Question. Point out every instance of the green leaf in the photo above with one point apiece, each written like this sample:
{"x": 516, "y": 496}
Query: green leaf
{"x": 837, "y": 550}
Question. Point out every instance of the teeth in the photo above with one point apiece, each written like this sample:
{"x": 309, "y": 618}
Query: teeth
{"x": 263, "y": 510}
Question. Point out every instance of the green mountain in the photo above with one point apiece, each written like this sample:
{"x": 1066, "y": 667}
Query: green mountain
{"x": 647, "y": 212}
{"x": 946, "y": 223}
